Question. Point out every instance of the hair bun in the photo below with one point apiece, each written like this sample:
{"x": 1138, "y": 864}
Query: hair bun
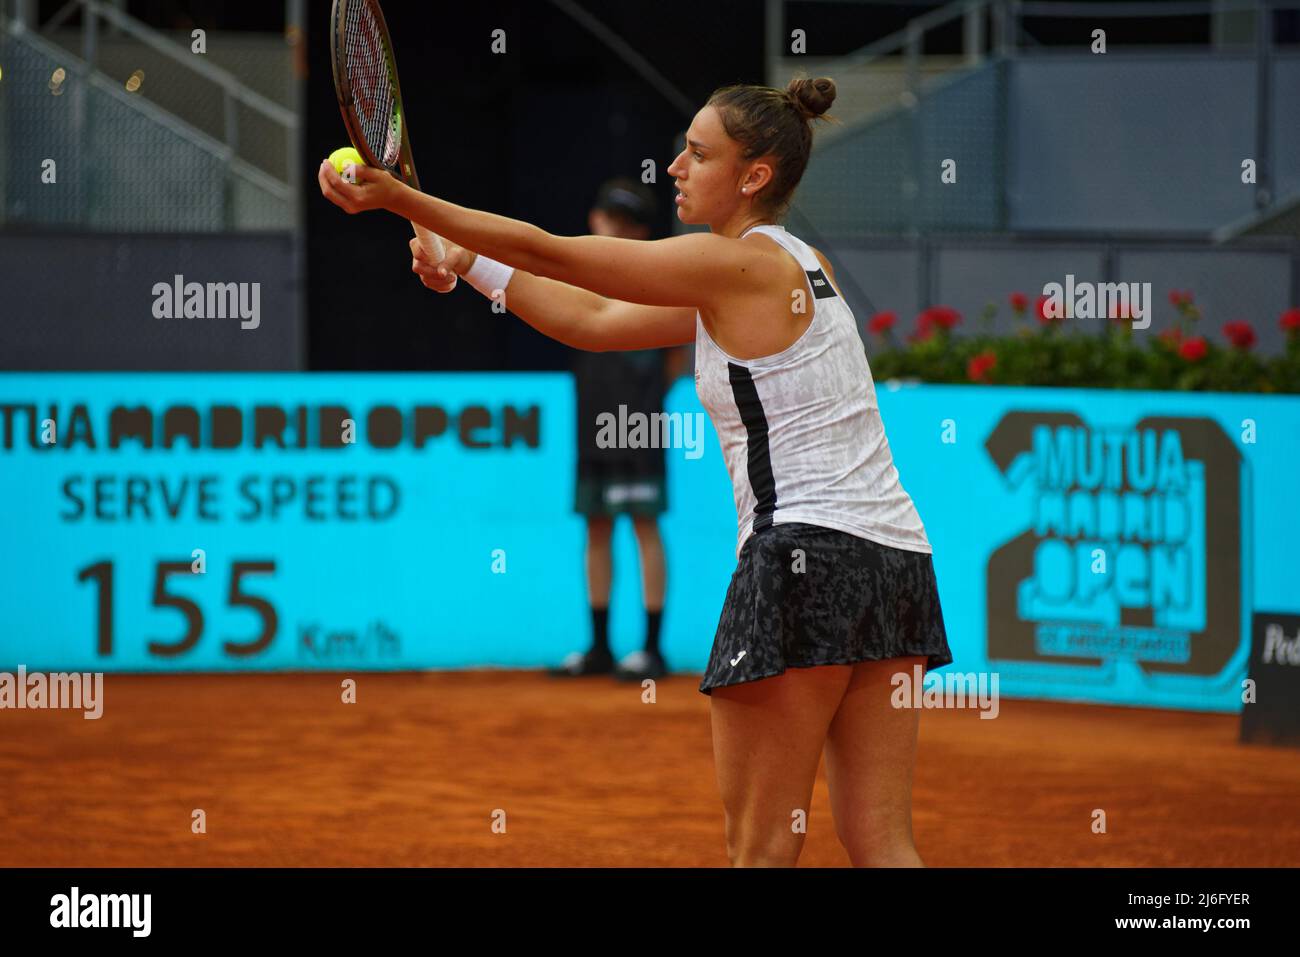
{"x": 812, "y": 97}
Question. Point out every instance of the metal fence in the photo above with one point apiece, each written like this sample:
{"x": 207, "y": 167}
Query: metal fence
{"x": 885, "y": 175}
{"x": 1061, "y": 143}
{"x": 1052, "y": 140}
{"x": 142, "y": 153}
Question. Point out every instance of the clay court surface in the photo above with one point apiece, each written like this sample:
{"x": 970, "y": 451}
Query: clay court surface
{"x": 588, "y": 775}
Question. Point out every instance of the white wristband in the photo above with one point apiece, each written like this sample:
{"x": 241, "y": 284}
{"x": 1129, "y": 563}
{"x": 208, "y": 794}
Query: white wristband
{"x": 488, "y": 275}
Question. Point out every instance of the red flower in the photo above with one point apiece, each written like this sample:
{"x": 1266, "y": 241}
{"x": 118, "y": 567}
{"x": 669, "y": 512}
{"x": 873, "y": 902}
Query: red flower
{"x": 882, "y": 322}
{"x": 945, "y": 317}
{"x": 936, "y": 317}
{"x": 1240, "y": 334}
{"x": 980, "y": 365}
{"x": 924, "y": 327}
{"x": 1120, "y": 312}
{"x": 1040, "y": 308}
{"x": 1019, "y": 302}
{"x": 1290, "y": 320}
{"x": 1177, "y": 298}
{"x": 1194, "y": 349}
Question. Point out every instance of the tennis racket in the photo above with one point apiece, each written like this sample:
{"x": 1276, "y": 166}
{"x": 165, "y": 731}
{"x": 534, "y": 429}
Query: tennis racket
{"x": 365, "y": 79}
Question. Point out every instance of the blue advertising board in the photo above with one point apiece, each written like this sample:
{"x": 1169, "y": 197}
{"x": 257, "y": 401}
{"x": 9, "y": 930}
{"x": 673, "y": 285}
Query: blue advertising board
{"x": 1090, "y": 545}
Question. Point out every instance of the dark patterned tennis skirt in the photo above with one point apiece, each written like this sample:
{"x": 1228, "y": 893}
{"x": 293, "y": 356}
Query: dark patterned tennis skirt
{"x": 851, "y": 600}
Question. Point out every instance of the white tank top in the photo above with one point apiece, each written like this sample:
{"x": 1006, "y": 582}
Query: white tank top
{"x": 800, "y": 430}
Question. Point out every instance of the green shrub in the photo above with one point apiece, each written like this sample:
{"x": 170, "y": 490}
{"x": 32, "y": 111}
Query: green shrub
{"x": 1047, "y": 353}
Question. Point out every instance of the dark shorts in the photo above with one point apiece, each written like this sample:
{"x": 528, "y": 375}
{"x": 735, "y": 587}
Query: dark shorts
{"x": 607, "y": 496}
{"x": 618, "y": 481}
{"x": 854, "y": 600}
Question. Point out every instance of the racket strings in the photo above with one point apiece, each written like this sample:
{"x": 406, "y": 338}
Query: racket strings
{"x": 372, "y": 87}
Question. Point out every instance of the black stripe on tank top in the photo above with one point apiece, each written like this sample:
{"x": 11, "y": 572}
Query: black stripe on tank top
{"x": 759, "y": 456}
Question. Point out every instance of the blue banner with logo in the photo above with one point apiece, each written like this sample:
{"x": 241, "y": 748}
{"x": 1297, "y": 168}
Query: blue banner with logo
{"x": 1090, "y": 545}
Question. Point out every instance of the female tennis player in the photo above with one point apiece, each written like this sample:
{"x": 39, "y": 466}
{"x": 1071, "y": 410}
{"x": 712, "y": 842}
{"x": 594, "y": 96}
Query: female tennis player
{"x": 834, "y": 590}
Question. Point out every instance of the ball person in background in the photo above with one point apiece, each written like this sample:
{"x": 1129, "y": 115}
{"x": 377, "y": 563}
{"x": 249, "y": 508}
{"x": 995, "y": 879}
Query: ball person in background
{"x": 621, "y": 481}
{"x": 834, "y": 591}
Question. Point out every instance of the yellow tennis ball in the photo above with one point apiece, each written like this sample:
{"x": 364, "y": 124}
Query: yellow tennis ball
{"x": 340, "y": 159}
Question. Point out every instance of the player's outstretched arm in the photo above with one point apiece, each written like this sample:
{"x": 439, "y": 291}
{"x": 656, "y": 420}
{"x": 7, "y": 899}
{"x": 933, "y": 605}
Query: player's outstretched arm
{"x": 699, "y": 270}
{"x": 568, "y": 314}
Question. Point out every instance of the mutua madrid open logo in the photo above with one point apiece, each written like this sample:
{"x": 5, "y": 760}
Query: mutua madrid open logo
{"x": 1132, "y": 549}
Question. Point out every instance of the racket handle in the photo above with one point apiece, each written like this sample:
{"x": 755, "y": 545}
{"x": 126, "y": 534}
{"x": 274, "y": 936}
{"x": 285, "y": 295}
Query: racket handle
{"x": 430, "y": 243}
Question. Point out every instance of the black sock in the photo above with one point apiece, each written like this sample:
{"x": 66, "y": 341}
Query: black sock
{"x": 600, "y": 629}
{"x": 652, "y": 619}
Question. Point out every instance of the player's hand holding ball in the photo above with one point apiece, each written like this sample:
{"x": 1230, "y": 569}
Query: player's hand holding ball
{"x": 440, "y": 277}
{"x": 345, "y": 161}
{"x": 364, "y": 188}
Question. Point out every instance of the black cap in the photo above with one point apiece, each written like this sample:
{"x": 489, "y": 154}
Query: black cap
{"x": 629, "y": 198}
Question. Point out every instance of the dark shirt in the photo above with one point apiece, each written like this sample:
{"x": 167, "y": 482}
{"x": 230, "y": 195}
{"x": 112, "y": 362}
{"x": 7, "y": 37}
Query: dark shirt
{"x": 606, "y": 380}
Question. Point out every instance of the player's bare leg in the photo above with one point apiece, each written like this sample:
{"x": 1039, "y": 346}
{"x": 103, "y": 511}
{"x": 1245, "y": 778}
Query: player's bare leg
{"x": 767, "y": 741}
{"x": 870, "y": 758}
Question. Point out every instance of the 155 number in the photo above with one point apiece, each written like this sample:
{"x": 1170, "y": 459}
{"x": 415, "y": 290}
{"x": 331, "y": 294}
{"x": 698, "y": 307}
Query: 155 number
{"x": 101, "y": 573}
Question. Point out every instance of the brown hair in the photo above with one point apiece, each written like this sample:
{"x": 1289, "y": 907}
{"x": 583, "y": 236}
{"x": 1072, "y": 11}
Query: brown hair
{"x": 767, "y": 121}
